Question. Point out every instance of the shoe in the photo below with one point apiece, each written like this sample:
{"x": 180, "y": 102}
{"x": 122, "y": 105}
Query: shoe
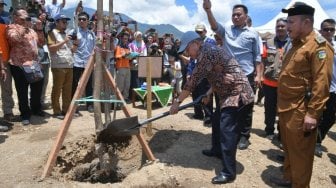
{"x": 221, "y": 179}
{"x": 127, "y": 101}
{"x": 39, "y": 113}
{"x": 77, "y": 114}
{"x": 270, "y": 137}
{"x": 210, "y": 153}
{"x": 280, "y": 182}
{"x": 9, "y": 117}
{"x": 3, "y": 128}
{"x": 59, "y": 116}
{"x": 90, "y": 109}
{"x": 25, "y": 122}
{"x": 318, "y": 150}
{"x": 280, "y": 158}
{"x": 197, "y": 117}
{"x": 243, "y": 143}
{"x": 282, "y": 168}
{"x": 207, "y": 121}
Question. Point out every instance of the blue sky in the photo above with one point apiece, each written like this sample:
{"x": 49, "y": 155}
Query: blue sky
{"x": 185, "y": 14}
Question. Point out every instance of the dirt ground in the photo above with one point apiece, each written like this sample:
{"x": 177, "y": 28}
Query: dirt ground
{"x": 177, "y": 143}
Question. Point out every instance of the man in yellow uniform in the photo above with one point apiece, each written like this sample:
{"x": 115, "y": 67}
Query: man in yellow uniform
{"x": 302, "y": 92}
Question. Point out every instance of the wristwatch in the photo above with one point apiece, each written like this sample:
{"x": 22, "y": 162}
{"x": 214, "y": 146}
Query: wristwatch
{"x": 178, "y": 100}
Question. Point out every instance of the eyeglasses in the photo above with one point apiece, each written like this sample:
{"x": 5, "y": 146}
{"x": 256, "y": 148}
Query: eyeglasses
{"x": 199, "y": 32}
{"x": 64, "y": 21}
{"x": 236, "y": 14}
{"x": 328, "y": 29}
{"x": 82, "y": 19}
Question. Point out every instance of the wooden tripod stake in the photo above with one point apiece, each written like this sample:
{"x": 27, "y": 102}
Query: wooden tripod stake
{"x": 72, "y": 108}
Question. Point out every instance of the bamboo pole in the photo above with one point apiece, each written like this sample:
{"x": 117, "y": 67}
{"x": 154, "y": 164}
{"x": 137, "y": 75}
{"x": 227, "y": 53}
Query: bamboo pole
{"x": 98, "y": 67}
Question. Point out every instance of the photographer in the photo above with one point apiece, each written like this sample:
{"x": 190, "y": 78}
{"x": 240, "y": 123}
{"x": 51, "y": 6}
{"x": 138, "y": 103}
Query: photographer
{"x": 39, "y": 25}
{"x": 138, "y": 46}
{"x": 61, "y": 47}
{"x": 167, "y": 46}
{"x": 85, "y": 49}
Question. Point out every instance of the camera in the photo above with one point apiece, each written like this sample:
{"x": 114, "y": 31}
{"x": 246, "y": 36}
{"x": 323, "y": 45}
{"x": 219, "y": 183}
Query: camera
{"x": 114, "y": 32}
{"x": 49, "y": 18}
{"x": 73, "y": 35}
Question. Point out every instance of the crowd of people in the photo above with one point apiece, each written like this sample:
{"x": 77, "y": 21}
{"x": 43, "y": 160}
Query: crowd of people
{"x": 294, "y": 70}
{"x": 40, "y": 32}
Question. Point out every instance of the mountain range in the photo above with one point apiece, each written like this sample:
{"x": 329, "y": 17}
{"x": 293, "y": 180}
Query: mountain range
{"x": 161, "y": 28}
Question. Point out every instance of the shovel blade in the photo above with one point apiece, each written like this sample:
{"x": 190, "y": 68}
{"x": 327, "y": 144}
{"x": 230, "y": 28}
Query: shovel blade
{"x": 120, "y": 127}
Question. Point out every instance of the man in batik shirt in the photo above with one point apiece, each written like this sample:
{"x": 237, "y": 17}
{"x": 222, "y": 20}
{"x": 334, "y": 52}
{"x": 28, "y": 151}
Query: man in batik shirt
{"x": 232, "y": 87}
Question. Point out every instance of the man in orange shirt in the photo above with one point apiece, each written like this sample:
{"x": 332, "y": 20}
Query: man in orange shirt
{"x": 123, "y": 77}
{"x": 273, "y": 61}
{"x": 6, "y": 82}
{"x": 3, "y": 128}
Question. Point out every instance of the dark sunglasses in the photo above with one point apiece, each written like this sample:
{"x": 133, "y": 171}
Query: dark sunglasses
{"x": 82, "y": 19}
{"x": 328, "y": 29}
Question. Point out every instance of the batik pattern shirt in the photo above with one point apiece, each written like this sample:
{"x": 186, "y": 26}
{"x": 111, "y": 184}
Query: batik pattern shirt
{"x": 224, "y": 75}
{"x": 23, "y": 44}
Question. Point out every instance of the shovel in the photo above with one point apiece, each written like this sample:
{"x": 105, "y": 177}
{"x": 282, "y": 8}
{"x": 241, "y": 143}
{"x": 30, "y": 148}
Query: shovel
{"x": 131, "y": 126}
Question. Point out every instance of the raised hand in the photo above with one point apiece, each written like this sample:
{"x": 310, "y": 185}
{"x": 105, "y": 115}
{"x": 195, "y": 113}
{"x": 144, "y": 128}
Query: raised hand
{"x": 206, "y": 4}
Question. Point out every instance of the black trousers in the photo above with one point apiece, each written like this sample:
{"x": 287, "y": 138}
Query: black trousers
{"x": 270, "y": 106}
{"x": 135, "y": 81}
{"x": 215, "y": 127}
{"x": 201, "y": 89}
{"x": 21, "y": 86}
{"x": 229, "y": 137}
{"x": 328, "y": 118}
{"x": 245, "y": 119}
{"x": 77, "y": 73}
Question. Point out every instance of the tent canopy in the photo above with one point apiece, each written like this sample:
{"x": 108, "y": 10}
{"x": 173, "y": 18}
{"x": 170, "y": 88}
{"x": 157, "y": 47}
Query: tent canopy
{"x": 319, "y": 16}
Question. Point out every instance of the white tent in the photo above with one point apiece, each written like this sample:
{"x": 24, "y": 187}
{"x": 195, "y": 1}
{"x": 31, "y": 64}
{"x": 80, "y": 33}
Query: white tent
{"x": 319, "y": 16}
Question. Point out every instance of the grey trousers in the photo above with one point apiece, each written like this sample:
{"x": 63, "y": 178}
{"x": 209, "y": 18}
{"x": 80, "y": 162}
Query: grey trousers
{"x": 7, "y": 92}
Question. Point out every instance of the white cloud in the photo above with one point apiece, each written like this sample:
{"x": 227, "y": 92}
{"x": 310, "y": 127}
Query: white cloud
{"x": 164, "y": 11}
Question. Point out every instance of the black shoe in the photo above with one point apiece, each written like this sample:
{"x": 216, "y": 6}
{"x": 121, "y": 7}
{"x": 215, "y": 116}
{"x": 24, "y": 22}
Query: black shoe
{"x": 243, "y": 143}
{"x": 39, "y": 113}
{"x": 221, "y": 179}
{"x": 280, "y": 158}
{"x": 210, "y": 153}
{"x": 318, "y": 150}
{"x": 90, "y": 109}
{"x": 280, "y": 182}
{"x": 59, "y": 116}
{"x": 207, "y": 121}
{"x": 198, "y": 117}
